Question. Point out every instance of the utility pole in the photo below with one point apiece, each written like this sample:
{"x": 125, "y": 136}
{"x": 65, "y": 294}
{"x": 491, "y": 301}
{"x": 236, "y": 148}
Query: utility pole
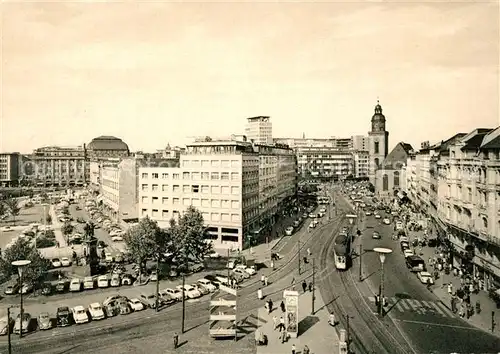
{"x": 298, "y": 253}
{"x": 183, "y": 303}
{"x": 313, "y": 289}
{"x": 157, "y": 308}
{"x": 360, "y": 261}
{"x": 8, "y": 330}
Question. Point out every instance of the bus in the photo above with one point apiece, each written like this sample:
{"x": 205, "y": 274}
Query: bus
{"x": 342, "y": 251}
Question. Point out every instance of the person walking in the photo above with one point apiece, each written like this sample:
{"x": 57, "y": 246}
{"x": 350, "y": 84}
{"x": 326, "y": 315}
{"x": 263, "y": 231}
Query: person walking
{"x": 266, "y": 281}
{"x": 270, "y": 305}
{"x": 293, "y": 349}
{"x": 305, "y": 350}
{"x": 310, "y": 286}
{"x": 263, "y": 279}
{"x": 282, "y": 324}
{"x": 176, "y": 340}
{"x": 282, "y": 305}
{"x": 332, "y": 320}
{"x": 309, "y": 252}
{"x": 304, "y": 286}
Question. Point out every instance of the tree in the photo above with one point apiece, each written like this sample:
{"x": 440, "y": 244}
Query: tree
{"x": 190, "y": 241}
{"x": 146, "y": 240}
{"x": 88, "y": 230}
{"x": 22, "y": 249}
{"x": 13, "y": 207}
{"x": 3, "y": 209}
{"x": 371, "y": 188}
{"x": 67, "y": 229}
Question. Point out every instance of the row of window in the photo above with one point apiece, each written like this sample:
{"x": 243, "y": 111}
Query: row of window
{"x": 210, "y": 163}
{"x": 195, "y": 188}
{"x": 167, "y": 215}
{"x": 207, "y": 203}
{"x": 196, "y": 176}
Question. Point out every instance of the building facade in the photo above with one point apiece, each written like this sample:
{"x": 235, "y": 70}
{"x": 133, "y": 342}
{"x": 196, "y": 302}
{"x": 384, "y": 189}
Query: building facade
{"x": 9, "y": 169}
{"x": 469, "y": 203}
{"x": 361, "y": 164}
{"x": 378, "y": 142}
{"x": 360, "y": 143}
{"x": 237, "y": 186}
{"x": 56, "y": 166}
{"x": 259, "y": 130}
{"x": 325, "y": 162}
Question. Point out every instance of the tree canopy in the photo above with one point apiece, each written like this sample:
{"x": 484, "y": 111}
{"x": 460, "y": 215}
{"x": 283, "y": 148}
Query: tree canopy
{"x": 67, "y": 228}
{"x": 13, "y": 206}
{"x": 189, "y": 233}
{"x": 22, "y": 249}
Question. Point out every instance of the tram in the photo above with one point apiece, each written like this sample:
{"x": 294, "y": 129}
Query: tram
{"x": 342, "y": 251}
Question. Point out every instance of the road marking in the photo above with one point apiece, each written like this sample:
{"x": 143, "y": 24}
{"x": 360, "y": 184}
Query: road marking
{"x": 405, "y": 305}
{"x": 413, "y": 304}
{"x": 446, "y": 311}
{"x": 399, "y": 306}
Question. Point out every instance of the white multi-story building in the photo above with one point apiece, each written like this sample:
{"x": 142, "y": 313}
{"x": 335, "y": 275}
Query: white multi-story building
{"x": 328, "y": 162}
{"x": 230, "y": 182}
{"x": 361, "y": 164}
{"x": 259, "y": 130}
{"x": 360, "y": 143}
{"x": 118, "y": 188}
{"x": 9, "y": 168}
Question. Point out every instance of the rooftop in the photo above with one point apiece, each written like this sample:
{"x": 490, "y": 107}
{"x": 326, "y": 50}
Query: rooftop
{"x": 107, "y": 143}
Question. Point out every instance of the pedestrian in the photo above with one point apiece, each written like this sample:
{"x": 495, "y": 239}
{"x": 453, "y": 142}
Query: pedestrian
{"x": 266, "y": 281}
{"x": 304, "y": 286}
{"x": 270, "y": 305}
{"x": 272, "y": 265}
{"x": 305, "y": 350}
{"x": 309, "y": 252}
{"x": 282, "y": 305}
{"x": 450, "y": 288}
{"x": 293, "y": 349}
{"x": 176, "y": 340}
{"x": 262, "y": 279}
{"x": 310, "y": 286}
{"x": 283, "y": 337}
{"x": 259, "y": 294}
{"x": 332, "y": 320}
{"x": 282, "y": 324}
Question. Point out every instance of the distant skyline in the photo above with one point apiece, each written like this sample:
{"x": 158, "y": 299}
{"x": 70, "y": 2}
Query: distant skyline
{"x": 157, "y": 73}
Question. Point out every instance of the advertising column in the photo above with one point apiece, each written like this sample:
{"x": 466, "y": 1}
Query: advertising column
{"x": 291, "y": 312}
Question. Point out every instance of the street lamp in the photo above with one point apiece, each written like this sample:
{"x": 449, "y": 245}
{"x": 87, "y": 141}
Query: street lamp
{"x": 382, "y": 252}
{"x": 21, "y": 264}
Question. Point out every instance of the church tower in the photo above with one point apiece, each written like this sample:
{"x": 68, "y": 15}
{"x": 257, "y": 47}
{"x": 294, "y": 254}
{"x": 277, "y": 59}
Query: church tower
{"x": 378, "y": 139}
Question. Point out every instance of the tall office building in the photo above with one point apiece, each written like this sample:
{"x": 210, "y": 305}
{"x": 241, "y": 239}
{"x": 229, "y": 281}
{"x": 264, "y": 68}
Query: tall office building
{"x": 259, "y": 130}
{"x": 9, "y": 168}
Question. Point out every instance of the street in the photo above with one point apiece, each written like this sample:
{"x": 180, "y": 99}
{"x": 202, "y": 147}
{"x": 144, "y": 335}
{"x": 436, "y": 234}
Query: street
{"x": 428, "y": 324}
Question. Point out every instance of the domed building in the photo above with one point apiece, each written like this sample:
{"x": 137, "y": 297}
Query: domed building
{"x": 104, "y": 147}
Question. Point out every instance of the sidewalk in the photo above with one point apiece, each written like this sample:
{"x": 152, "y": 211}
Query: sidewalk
{"x": 481, "y": 320}
{"x": 56, "y": 227}
{"x": 314, "y": 330}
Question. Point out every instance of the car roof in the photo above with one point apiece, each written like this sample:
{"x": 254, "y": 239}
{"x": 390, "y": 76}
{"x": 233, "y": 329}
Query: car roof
{"x": 95, "y": 304}
{"x": 79, "y": 307}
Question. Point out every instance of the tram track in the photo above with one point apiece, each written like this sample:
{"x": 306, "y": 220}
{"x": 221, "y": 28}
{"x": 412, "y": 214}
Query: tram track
{"x": 154, "y": 323}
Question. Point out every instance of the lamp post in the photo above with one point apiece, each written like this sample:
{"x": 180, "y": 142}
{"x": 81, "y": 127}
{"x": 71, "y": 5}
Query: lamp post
{"x": 382, "y": 252}
{"x": 21, "y": 264}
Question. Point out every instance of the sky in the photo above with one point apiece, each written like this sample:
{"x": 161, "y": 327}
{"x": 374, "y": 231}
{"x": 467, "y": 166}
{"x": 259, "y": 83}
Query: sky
{"x": 153, "y": 73}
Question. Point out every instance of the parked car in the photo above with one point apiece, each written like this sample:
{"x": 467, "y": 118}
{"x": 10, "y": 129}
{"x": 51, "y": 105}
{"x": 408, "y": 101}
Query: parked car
{"x": 112, "y": 309}
{"x": 6, "y": 325}
{"x": 312, "y": 225}
{"x": 24, "y": 324}
{"x": 88, "y": 283}
{"x": 376, "y": 235}
{"x": 102, "y": 281}
{"x": 96, "y": 311}
{"x": 44, "y": 321}
{"x": 115, "y": 280}
{"x": 63, "y": 316}
{"x": 213, "y": 279}
{"x": 377, "y": 216}
{"x": 65, "y": 262}
{"x": 241, "y": 272}
{"x": 207, "y": 284}
{"x": 175, "y": 294}
{"x": 153, "y": 276}
{"x": 289, "y": 231}
{"x": 127, "y": 279}
{"x": 75, "y": 285}
{"x": 124, "y": 307}
{"x": 136, "y": 304}
{"x": 12, "y": 289}
{"x": 425, "y": 278}
{"x": 26, "y": 288}
{"x": 61, "y": 286}
{"x": 407, "y": 253}
{"x": 150, "y": 300}
{"x": 200, "y": 288}
{"x": 191, "y": 292}
{"x": 386, "y": 221}
{"x": 56, "y": 263}
{"x": 404, "y": 246}
{"x": 113, "y": 298}
{"x": 80, "y": 315}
